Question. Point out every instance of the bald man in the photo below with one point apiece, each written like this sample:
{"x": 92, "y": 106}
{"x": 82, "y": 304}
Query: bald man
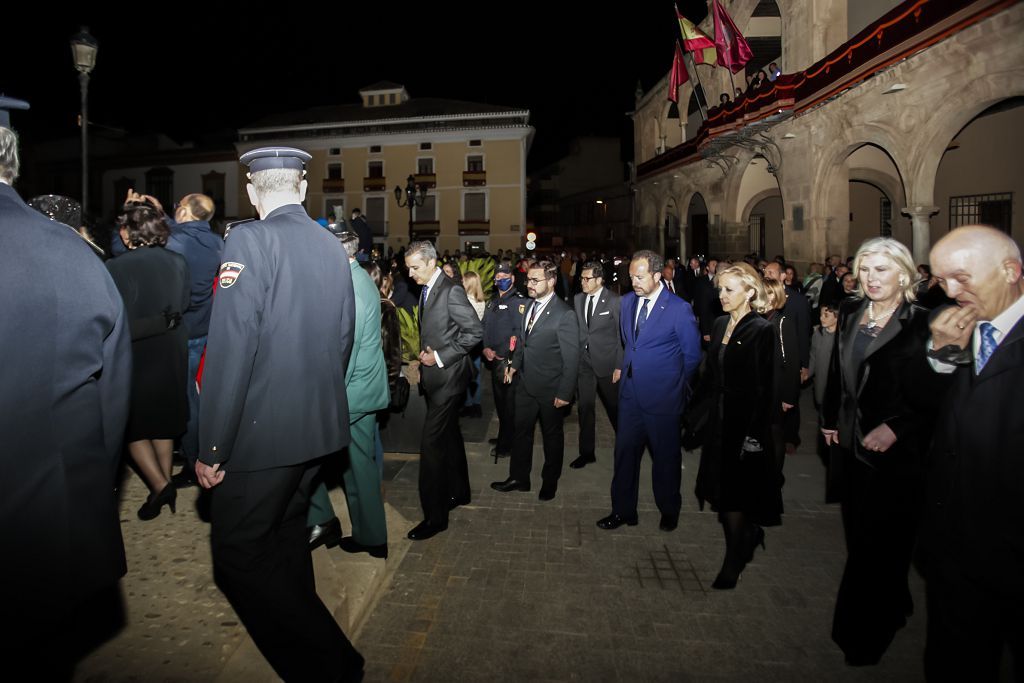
{"x": 973, "y": 537}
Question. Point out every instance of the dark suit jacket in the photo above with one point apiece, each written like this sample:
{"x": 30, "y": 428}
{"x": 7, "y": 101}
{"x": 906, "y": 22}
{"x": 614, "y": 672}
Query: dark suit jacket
{"x": 706, "y": 305}
{"x": 63, "y": 407}
{"x": 279, "y": 344}
{"x": 657, "y": 366}
{"x": 548, "y": 360}
{"x": 450, "y": 326}
{"x": 600, "y": 341}
{"x": 975, "y": 516}
{"x": 798, "y": 311}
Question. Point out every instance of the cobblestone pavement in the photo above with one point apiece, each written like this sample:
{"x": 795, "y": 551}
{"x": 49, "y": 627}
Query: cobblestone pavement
{"x": 521, "y": 590}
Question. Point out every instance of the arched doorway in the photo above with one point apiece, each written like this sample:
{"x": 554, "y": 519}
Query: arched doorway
{"x": 762, "y": 210}
{"x": 876, "y": 197}
{"x": 697, "y": 221}
{"x": 764, "y": 33}
{"x": 673, "y": 233}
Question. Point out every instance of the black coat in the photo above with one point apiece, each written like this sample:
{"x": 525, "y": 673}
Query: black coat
{"x": 450, "y": 326}
{"x": 974, "y": 517}
{"x": 787, "y": 362}
{"x": 63, "y": 405}
{"x": 280, "y": 339}
{"x": 548, "y": 360}
{"x": 706, "y": 305}
{"x": 600, "y": 340}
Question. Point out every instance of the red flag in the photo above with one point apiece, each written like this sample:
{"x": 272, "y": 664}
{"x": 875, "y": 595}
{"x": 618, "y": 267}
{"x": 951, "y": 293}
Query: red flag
{"x": 732, "y": 48}
{"x": 696, "y": 41}
{"x": 679, "y": 75}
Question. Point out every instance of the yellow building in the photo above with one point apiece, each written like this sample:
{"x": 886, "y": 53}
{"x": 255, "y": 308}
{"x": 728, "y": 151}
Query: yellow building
{"x": 469, "y": 158}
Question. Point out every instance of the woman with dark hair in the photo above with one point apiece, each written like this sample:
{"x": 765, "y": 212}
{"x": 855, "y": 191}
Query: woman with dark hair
{"x": 154, "y": 284}
{"x": 879, "y": 410}
{"x": 787, "y": 362}
{"x": 738, "y": 475}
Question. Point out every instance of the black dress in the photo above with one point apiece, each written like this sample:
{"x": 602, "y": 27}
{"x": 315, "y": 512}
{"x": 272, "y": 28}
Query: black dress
{"x": 739, "y": 383}
{"x": 154, "y": 283}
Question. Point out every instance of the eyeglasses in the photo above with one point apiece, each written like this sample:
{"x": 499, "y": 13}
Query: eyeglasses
{"x": 584, "y": 278}
{"x": 535, "y": 280}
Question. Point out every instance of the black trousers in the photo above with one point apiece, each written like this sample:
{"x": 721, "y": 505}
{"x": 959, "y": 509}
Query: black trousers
{"x": 444, "y": 472}
{"x": 504, "y": 405}
{"x": 970, "y": 621}
{"x": 528, "y": 410}
{"x": 589, "y": 387}
{"x": 261, "y": 562}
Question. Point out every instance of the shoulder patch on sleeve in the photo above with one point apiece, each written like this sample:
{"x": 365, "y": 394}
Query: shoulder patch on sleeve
{"x": 229, "y": 272}
{"x": 522, "y": 309}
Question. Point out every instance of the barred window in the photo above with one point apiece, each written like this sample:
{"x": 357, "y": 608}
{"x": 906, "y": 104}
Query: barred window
{"x": 987, "y": 209}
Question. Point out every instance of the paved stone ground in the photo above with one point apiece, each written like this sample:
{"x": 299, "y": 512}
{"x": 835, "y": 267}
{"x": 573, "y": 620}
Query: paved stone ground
{"x": 519, "y": 590}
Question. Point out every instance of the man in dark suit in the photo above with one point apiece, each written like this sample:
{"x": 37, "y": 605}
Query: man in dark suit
{"x": 973, "y": 536}
{"x": 362, "y": 229}
{"x": 706, "y": 305}
{"x": 661, "y": 355}
{"x": 691, "y": 275}
{"x": 597, "y": 313}
{"x": 546, "y": 366}
{"x": 63, "y": 408}
{"x": 449, "y": 329}
{"x": 273, "y": 406}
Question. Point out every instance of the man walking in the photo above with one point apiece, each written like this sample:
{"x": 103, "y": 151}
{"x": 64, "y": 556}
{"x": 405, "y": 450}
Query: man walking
{"x": 503, "y": 320}
{"x": 597, "y": 313}
{"x": 661, "y": 355}
{"x": 274, "y": 405}
{"x": 547, "y": 366}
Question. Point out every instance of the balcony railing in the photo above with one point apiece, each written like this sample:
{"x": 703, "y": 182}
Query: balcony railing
{"x": 428, "y": 180}
{"x": 422, "y": 229}
{"x": 334, "y": 185}
{"x": 909, "y": 27}
{"x": 482, "y": 227}
{"x": 375, "y": 184}
{"x": 474, "y": 178}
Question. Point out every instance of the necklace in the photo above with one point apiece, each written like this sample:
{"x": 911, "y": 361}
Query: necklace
{"x": 872, "y": 320}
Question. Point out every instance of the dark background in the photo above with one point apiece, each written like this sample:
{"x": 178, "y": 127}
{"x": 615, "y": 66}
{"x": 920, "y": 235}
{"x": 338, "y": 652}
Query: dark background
{"x": 200, "y": 72}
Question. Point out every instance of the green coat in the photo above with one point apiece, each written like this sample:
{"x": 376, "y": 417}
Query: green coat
{"x": 366, "y": 380}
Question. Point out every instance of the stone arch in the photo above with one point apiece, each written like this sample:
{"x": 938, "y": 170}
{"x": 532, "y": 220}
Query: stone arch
{"x": 755, "y": 200}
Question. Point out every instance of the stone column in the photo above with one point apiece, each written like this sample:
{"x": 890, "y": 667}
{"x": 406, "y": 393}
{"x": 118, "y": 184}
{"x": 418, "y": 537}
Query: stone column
{"x": 921, "y": 226}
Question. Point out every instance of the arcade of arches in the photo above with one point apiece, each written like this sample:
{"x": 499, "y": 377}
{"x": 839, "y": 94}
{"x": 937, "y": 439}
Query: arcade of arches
{"x": 941, "y": 149}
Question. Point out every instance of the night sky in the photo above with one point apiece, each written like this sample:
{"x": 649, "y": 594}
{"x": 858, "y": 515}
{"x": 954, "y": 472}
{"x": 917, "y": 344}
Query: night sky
{"x": 200, "y": 76}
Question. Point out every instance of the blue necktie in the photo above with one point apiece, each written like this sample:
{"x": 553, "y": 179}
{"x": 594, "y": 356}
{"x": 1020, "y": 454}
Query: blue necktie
{"x": 641, "y": 319}
{"x": 423, "y": 304}
{"x": 988, "y": 345}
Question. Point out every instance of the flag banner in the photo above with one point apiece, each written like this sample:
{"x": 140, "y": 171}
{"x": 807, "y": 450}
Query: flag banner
{"x": 732, "y": 48}
{"x": 678, "y": 76}
{"x": 697, "y": 42}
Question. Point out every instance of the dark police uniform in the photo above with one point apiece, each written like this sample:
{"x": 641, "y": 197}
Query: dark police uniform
{"x": 503, "y": 319}
{"x": 274, "y": 404}
{"x": 66, "y": 380}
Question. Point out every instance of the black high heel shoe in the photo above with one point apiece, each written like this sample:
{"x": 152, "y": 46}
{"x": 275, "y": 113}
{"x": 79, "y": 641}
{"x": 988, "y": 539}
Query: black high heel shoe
{"x": 151, "y": 508}
{"x": 756, "y": 539}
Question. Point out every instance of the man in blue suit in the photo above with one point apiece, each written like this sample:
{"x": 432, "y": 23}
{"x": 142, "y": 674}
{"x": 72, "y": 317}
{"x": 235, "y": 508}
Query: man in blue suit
{"x": 662, "y": 351}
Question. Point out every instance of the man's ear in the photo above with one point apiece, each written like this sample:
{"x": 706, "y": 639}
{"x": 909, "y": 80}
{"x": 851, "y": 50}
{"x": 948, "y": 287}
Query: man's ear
{"x": 303, "y": 186}
{"x": 253, "y": 199}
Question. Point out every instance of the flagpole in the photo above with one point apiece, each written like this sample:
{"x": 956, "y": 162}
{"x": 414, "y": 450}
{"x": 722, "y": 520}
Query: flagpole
{"x": 692, "y": 68}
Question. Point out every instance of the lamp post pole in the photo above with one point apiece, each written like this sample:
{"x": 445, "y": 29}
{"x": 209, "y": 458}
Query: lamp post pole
{"x": 83, "y": 51}
{"x": 410, "y": 197}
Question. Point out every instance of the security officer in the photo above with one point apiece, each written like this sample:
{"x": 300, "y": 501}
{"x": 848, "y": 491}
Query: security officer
{"x": 274, "y": 405}
{"x": 503, "y": 319}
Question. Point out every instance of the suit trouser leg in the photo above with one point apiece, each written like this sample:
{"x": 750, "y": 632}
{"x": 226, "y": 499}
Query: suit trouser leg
{"x": 362, "y": 485}
{"x": 609, "y": 393}
{"x": 321, "y": 510}
{"x": 263, "y": 565}
{"x": 521, "y": 462}
{"x": 435, "y": 469}
{"x": 586, "y": 392}
{"x": 552, "y": 430}
{"x": 630, "y": 442}
{"x": 504, "y": 403}
{"x": 666, "y": 472}
{"x": 456, "y": 463}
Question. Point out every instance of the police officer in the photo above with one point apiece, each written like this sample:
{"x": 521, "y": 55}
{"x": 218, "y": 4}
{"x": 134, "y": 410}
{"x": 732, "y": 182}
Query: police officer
{"x": 503, "y": 319}
{"x": 273, "y": 406}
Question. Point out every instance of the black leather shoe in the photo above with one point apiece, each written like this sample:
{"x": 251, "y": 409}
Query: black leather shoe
{"x": 328, "y": 534}
{"x": 582, "y": 461}
{"x": 510, "y": 484}
{"x": 669, "y": 522}
{"x": 184, "y": 478}
{"x": 547, "y": 492}
{"x": 351, "y": 545}
{"x": 614, "y": 521}
{"x": 454, "y": 502}
{"x": 425, "y": 530}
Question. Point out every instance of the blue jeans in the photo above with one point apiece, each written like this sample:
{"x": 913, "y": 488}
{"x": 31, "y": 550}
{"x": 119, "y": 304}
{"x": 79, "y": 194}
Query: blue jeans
{"x": 473, "y": 390}
{"x": 190, "y": 440}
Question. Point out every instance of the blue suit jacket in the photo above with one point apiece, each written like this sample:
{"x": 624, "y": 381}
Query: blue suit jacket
{"x": 657, "y": 366}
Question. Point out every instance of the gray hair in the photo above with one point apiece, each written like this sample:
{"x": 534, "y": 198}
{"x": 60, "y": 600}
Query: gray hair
{"x": 274, "y": 180}
{"x": 424, "y": 249}
{"x": 899, "y": 254}
{"x": 9, "y": 164}
{"x": 654, "y": 261}
{"x": 350, "y": 241}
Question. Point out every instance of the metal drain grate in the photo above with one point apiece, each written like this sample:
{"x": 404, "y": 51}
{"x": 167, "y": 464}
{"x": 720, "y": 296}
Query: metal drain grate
{"x": 668, "y": 570}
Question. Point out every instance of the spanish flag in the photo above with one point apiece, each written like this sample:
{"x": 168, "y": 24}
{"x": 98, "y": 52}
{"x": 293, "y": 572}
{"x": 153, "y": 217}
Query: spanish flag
{"x": 697, "y": 42}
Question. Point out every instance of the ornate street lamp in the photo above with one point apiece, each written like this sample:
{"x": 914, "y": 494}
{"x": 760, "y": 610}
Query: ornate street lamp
{"x": 83, "y": 51}
{"x": 412, "y": 198}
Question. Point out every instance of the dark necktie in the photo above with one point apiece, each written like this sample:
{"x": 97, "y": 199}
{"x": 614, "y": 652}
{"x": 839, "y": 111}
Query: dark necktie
{"x": 987, "y": 343}
{"x": 641, "y": 319}
{"x": 590, "y": 310}
{"x": 423, "y": 304}
{"x": 533, "y": 316}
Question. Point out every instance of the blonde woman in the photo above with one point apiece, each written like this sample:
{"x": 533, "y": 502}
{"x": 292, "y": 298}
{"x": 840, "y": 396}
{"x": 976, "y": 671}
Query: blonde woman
{"x": 475, "y": 294}
{"x": 738, "y": 473}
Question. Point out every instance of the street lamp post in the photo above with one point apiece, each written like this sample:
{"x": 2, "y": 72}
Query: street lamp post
{"x": 411, "y": 197}
{"x": 83, "y": 51}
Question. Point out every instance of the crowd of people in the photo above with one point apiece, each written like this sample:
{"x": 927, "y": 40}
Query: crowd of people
{"x": 275, "y": 355}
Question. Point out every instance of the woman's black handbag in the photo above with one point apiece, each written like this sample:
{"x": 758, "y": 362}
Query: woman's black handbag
{"x": 695, "y": 422}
